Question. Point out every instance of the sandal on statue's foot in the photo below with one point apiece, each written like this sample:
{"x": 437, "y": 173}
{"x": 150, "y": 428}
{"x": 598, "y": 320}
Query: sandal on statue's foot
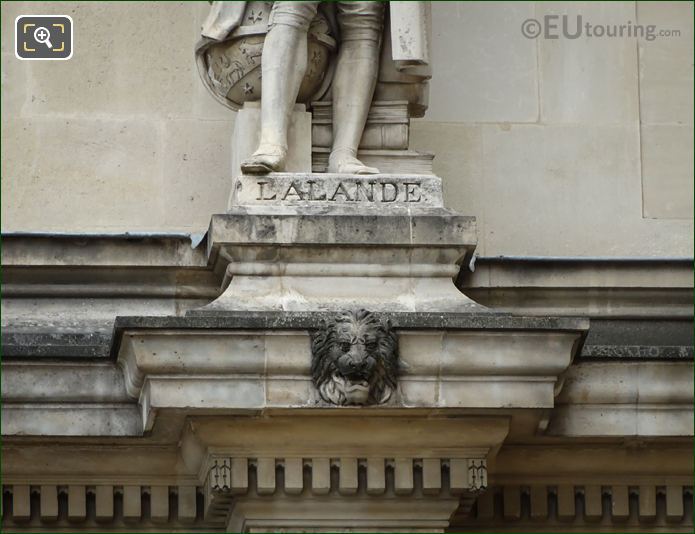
{"x": 344, "y": 162}
{"x": 268, "y": 158}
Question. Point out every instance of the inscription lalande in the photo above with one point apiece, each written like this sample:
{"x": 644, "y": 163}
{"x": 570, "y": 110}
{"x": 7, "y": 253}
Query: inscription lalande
{"x": 376, "y": 191}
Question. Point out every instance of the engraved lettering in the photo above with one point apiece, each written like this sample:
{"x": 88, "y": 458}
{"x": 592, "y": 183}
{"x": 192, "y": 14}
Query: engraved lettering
{"x": 261, "y": 196}
{"x": 367, "y": 193}
{"x": 322, "y": 196}
{"x": 340, "y": 189}
{"x": 412, "y": 188}
{"x": 294, "y": 190}
{"x": 384, "y": 197}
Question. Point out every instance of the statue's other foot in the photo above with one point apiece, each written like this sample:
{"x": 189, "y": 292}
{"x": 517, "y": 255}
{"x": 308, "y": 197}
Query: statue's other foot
{"x": 268, "y": 158}
{"x": 344, "y": 162}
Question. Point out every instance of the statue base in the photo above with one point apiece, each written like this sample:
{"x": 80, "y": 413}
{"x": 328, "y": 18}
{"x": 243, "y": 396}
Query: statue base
{"x": 330, "y": 242}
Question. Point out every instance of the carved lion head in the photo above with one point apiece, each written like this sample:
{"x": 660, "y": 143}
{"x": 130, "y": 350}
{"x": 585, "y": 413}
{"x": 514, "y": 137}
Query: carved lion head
{"x": 355, "y": 359}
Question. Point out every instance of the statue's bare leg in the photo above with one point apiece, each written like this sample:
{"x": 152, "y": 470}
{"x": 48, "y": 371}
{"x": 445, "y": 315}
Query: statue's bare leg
{"x": 353, "y": 89}
{"x": 283, "y": 68}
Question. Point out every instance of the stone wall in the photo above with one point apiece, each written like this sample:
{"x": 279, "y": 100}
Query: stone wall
{"x": 560, "y": 147}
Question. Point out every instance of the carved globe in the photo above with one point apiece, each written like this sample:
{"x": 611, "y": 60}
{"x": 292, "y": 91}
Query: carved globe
{"x": 231, "y": 69}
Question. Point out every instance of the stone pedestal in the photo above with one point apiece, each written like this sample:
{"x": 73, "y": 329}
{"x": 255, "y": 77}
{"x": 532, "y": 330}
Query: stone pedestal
{"x": 313, "y": 242}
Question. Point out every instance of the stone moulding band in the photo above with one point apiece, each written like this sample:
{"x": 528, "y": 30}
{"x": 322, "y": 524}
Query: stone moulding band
{"x": 418, "y": 270}
{"x": 228, "y": 474}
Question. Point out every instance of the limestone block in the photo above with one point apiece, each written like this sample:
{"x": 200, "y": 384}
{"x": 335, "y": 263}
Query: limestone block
{"x": 14, "y": 78}
{"x": 283, "y": 392}
{"x": 49, "y": 503}
{"x": 431, "y": 475}
{"x": 247, "y": 132}
{"x": 593, "y": 506}
{"x": 539, "y": 502}
{"x": 21, "y": 505}
{"x": 589, "y": 79}
{"x": 666, "y": 64}
{"x": 132, "y": 502}
{"x": 159, "y": 504}
{"x": 664, "y": 421}
{"x": 320, "y": 476}
{"x": 67, "y": 419}
{"x": 187, "y": 503}
{"x": 647, "y": 503}
{"x": 124, "y": 64}
{"x": 196, "y": 177}
{"x": 458, "y": 161}
{"x": 240, "y": 475}
{"x": 496, "y": 393}
{"x": 347, "y": 483}
{"x": 667, "y": 171}
{"x": 565, "y": 502}
{"x": 104, "y": 503}
{"x": 543, "y": 177}
{"x": 485, "y": 69}
{"x": 19, "y": 180}
{"x": 376, "y": 476}
{"x": 265, "y": 476}
{"x": 620, "y": 502}
{"x": 294, "y": 476}
{"x": 287, "y": 351}
{"x": 418, "y": 392}
{"x": 10, "y": 11}
{"x": 674, "y": 503}
{"x": 64, "y": 182}
{"x": 458, "y": 474}
{"x": 77, "y": 503}
{"x": 403, "y": 476}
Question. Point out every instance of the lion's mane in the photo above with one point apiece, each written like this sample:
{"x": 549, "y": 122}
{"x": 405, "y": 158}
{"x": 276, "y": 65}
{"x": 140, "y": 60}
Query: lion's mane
{"x": 384, "y": 349}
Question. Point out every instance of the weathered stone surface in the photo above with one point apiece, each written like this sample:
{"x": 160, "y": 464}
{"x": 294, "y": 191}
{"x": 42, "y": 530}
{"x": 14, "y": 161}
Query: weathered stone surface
{"x": 228, "y": 368}
{"x": 665, "y": 64}
{"x": 332, "y": 190}
{"x": 319, "y": 259}
{"x": 428, "y": 229}
{"x": 588, "y": 79}
{"x": 312, "y": 319}
{"x": 500, "y": 85}
{"x": 667, "y": 171}
{"x": 625, "y": 399}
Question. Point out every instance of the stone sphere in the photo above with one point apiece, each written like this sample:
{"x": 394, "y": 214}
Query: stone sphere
{"x": 232, "y": 68}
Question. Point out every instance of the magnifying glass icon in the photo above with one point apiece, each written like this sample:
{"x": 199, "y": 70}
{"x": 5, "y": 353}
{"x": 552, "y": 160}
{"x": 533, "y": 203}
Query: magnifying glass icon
{"x": 43, "y": 36}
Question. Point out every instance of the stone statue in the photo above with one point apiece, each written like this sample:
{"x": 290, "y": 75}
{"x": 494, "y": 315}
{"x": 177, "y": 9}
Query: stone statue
{"x": 284, "y": 75}
{"x": 355, "y": 359}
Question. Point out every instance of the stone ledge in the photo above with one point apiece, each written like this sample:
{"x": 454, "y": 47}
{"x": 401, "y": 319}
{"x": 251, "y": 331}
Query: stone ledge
{"x": 233, "y": 320}
{"x": 437, "y": 228}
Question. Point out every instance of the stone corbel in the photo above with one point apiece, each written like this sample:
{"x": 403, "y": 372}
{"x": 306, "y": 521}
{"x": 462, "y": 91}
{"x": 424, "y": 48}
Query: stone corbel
{"x": 203, "y": 365}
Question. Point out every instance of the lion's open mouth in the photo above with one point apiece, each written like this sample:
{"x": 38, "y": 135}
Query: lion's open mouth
{"x": 353, "y": 387}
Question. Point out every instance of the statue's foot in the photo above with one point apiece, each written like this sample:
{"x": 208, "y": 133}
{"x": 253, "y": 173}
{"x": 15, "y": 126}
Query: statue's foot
{"x": 268, "y": 158}
{"x": 344, "y": 162}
